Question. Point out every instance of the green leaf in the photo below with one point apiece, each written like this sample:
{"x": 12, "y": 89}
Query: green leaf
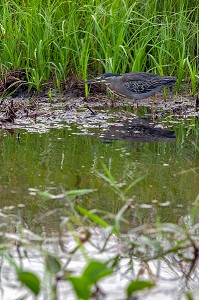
{"x": 134, "y": 183}
{"x": 93, "y": 217}
{"x": 91, "y": 274}
{"x": 138, "y": 285}
{"x": 52, "y": 264}
{"x": 69, "y": 193}
{"x": 45, "y": 194}
{"x": 189, "y": 296}
{"x": 82, "y": 287}
{"x": 95, "y": 271}
{"x": 79, "y": 192}
{"x": 30, "y": 280}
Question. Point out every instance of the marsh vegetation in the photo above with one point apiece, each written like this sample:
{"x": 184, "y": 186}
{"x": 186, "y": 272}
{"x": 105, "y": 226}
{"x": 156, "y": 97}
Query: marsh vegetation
{"x": 97, "y": 200}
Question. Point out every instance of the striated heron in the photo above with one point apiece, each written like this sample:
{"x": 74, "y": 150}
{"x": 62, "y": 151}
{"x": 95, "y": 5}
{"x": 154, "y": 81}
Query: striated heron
{"x": 135, "y": 86}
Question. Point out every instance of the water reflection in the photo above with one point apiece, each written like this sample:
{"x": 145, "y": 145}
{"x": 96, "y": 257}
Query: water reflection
{"x": 60, "y": 160}
{"x": 138, "y": 130}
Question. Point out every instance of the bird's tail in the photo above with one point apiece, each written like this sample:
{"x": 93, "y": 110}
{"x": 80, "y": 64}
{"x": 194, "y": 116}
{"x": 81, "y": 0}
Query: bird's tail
{"x": 169, "y": 80}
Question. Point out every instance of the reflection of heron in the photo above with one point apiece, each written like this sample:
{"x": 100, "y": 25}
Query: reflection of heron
{"x": 138, "y": 130}
{"x": 135, "y": 86}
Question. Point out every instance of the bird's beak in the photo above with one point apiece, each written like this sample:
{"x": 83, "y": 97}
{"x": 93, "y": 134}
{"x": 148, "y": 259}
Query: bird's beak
{"x": 96, "y": 79}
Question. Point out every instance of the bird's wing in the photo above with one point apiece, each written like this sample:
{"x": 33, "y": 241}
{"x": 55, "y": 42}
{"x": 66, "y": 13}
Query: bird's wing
{"x": 138, "y": 86}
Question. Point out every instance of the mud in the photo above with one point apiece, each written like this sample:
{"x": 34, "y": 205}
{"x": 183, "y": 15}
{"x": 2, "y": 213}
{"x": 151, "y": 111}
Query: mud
{"x": 100, "y": 114}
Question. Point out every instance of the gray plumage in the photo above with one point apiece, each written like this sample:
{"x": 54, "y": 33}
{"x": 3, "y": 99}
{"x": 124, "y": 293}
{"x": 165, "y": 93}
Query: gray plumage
{"x": 135, "y": 86}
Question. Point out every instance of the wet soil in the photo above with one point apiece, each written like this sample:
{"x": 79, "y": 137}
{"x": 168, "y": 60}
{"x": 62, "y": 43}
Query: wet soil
{"x": 30, "y": 110}
{"x": 99, "y": 112}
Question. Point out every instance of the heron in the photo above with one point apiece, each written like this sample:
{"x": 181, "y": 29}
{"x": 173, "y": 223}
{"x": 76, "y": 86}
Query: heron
{"x": 134, "y": 85}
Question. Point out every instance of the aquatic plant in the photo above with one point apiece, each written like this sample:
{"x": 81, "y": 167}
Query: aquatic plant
{"x": 51, "y": 39}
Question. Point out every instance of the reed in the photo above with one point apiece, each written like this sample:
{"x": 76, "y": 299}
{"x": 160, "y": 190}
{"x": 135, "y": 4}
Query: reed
{"x": 52, "y": 38}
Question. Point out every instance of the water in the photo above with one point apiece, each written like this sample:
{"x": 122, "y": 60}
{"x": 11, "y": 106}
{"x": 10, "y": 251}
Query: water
{"x": 64, "y": 159}
{"x": 61, "y": 159}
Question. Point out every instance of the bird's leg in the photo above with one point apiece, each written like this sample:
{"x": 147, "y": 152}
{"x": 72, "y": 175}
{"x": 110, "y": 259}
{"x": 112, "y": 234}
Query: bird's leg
{"x": 154, "y": 98}
{"x": 135, "y": 107}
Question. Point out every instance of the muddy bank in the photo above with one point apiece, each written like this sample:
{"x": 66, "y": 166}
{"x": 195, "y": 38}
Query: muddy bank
{"x": 39, "y": 112}
{"x": 103, "y": 116}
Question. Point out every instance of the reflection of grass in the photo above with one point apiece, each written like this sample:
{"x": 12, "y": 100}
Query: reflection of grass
{"x": 55, "y": 160}
{"x": 55, "y": 37}
{"x": 86, "y": 234}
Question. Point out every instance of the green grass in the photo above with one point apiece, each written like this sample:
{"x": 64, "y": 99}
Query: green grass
{"x": 54, "y": 38}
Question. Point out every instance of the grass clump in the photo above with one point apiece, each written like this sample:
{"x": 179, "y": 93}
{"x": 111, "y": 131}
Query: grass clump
{"x": 52, "y": 38}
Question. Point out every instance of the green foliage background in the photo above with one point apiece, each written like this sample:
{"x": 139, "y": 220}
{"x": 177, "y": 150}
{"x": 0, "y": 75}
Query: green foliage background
{"x": 54, "y": 38}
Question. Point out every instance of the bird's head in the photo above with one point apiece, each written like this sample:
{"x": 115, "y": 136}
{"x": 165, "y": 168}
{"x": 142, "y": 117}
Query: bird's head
{"x": 104, "y": 78}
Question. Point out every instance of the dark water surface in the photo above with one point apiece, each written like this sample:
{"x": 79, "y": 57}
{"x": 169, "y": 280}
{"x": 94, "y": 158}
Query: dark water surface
{"x": 63, "y": 159}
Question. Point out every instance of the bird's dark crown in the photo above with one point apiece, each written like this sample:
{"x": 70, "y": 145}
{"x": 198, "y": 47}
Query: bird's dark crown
{"x": 102, "y": 78}
{"x": 109, "y": 75}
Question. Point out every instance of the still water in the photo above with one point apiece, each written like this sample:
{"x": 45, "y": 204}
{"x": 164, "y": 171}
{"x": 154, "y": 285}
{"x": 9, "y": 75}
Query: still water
{"x": 164, "y": 164}
{"x": 64, "y": 159}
